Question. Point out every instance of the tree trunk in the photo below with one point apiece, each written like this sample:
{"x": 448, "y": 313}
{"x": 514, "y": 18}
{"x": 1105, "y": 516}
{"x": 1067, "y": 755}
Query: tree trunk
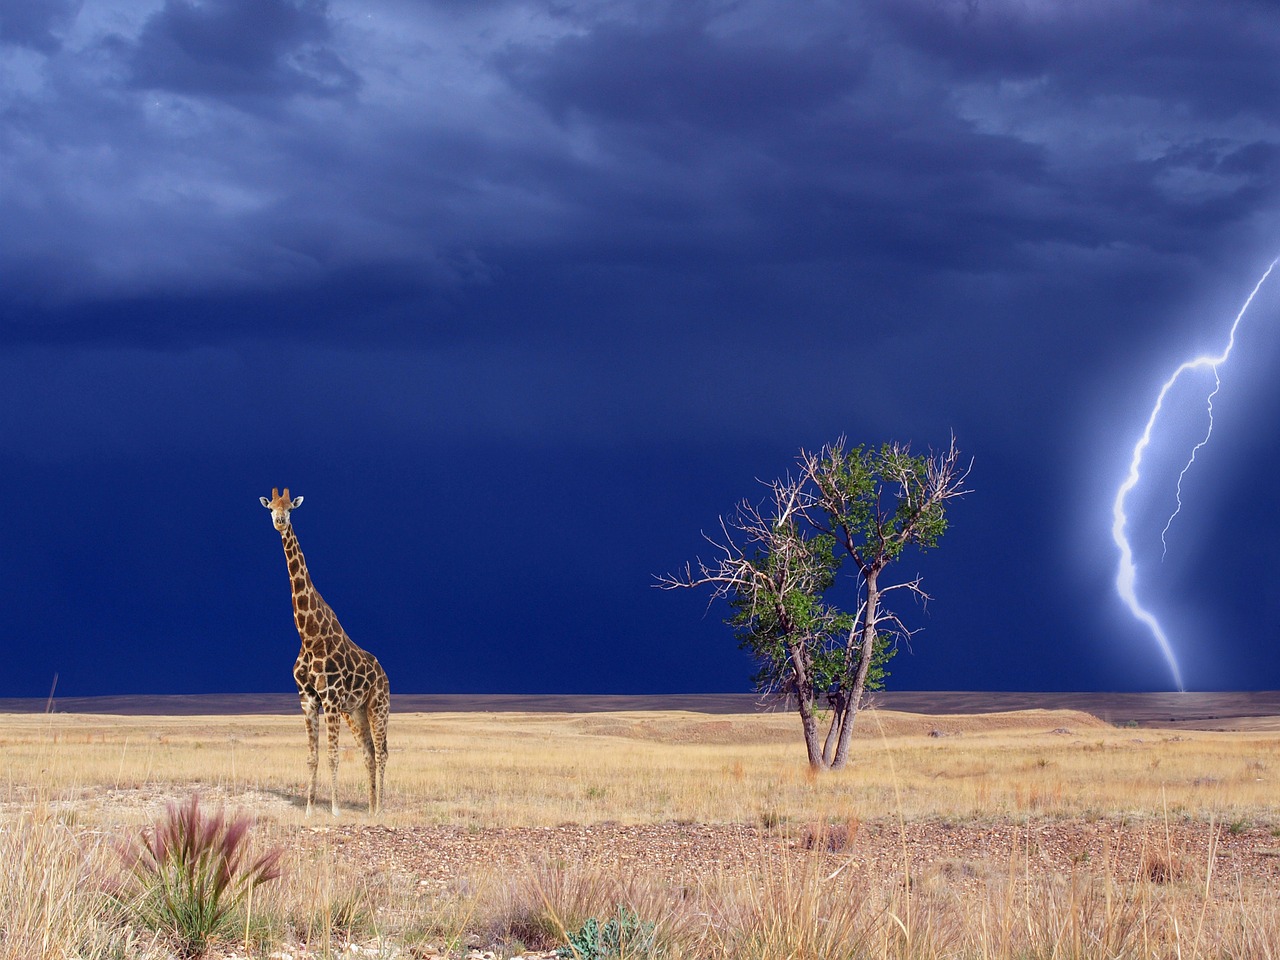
{"x": 810, "y": 724}
{"x": 860, "y": 678}
{"x": 804, "y": 703}
{"x": 838, "y": 706}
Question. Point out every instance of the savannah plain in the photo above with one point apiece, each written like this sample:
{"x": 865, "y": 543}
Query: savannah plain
{"x": 1084, "y": 827}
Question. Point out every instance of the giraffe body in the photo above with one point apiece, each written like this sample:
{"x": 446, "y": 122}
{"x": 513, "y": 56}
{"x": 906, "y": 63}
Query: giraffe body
{"x": 335, "y": 677}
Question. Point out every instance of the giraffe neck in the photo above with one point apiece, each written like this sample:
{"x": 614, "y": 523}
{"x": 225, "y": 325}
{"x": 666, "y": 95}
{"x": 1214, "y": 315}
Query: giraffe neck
{"x": 313, "y": 617}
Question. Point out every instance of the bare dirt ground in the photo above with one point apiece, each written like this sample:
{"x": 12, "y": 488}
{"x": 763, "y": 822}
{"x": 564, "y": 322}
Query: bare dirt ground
{"x": 967, "y": 854}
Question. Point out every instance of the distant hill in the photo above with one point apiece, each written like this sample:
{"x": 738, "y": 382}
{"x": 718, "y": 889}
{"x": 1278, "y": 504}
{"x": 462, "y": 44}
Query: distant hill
{"x": 1223, "y": 710}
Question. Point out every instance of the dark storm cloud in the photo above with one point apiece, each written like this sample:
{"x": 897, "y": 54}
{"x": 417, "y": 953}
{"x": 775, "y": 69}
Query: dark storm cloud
{"x": 679, "y": 76}
{"x": 38, "y": 24}
{"x": 1123, "y": 95}
{"x": 204, "y": 150}
{"x": 769, "y": 149}
{"x": 1214, "y": 58}
{"x": 233, "y": 49}
{"x": 863, "y": 146}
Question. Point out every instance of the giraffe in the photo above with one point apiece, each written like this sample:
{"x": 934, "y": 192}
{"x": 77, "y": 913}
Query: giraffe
{"x": 334, "y": 676}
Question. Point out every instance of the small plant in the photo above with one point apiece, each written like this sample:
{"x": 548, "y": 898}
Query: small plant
{"x": 350, "y": 916}
{"x": 619, "y": 937}
{"x": 190, "y": 874}
{"x": 1158, "y": 867}
{"x": 833, "y": 837}
{"x": 1238, "y": 826}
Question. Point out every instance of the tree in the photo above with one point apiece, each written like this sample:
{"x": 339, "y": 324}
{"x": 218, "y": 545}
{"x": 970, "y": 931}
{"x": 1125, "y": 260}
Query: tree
{"x": 780, "y": 563}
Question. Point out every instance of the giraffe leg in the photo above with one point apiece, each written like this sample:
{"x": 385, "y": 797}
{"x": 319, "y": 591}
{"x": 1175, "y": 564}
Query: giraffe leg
{"x": 378, "y": 711}
{"x": 332, "y": 727}
{"x": 359, "y": 721}
{"x": 310, "y": 716}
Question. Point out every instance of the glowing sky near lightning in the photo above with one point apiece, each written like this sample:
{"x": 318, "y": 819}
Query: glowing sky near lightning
{"x": 1127, "y": 571}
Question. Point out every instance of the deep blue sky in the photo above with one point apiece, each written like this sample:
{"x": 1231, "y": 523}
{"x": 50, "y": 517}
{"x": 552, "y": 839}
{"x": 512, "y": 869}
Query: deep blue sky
{"x": 522, "y": 296}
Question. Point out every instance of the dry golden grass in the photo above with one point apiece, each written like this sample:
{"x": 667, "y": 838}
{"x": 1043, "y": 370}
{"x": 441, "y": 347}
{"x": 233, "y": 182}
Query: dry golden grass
{"x": 71, "y": 783}
{"x": 537, "y": 769}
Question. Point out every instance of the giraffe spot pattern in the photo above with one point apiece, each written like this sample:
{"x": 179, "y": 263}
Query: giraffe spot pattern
{"x": 334, "y": 675}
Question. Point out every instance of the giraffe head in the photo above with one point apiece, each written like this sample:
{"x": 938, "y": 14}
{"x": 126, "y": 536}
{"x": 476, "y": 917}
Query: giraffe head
{"x": 279, "y": 504}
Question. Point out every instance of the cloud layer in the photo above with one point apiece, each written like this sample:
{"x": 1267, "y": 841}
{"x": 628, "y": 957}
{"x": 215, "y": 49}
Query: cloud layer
{"x": 238, "y": 145}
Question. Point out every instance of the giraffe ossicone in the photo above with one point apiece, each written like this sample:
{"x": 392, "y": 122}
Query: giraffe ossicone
{"x": 335, "y": 677}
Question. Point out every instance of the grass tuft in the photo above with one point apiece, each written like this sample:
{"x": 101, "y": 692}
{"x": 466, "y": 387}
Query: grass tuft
{"x": 190, "y": 873}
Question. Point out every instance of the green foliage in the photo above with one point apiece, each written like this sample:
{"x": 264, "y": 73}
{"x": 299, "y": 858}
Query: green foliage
{"x": 833, "y": 664}
{"x": 797, "y": 568}
{"x": 621, "y": 936}
{"x": 189, "y": 874}
{"x": 860, "y": 505}
{"x": 879, "y": 501}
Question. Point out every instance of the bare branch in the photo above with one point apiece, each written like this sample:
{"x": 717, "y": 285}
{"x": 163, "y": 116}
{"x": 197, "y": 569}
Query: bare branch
{"x": 912, "y": 585}
{"x": 897, "y": 627}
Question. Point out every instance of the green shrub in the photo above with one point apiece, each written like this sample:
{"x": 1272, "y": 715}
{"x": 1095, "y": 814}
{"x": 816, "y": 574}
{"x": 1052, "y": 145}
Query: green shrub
{"x": 619, "y": 937}
{"x": 189, "y": 873}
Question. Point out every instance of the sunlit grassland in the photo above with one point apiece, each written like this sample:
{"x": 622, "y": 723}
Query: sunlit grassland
{"x": 545, "y": 769}
{"x": 71, "y": 786}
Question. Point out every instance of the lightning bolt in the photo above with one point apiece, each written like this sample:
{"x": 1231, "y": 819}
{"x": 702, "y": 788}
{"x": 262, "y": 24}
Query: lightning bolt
{"x": 1127, "y": 572}
{"x": 1177, "y": 493}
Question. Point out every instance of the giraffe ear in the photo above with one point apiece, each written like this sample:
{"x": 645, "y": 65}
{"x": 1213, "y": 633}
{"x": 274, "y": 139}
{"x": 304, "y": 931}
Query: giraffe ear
{"x": 265, "y": 502}
{"x": 297, "y": 502}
